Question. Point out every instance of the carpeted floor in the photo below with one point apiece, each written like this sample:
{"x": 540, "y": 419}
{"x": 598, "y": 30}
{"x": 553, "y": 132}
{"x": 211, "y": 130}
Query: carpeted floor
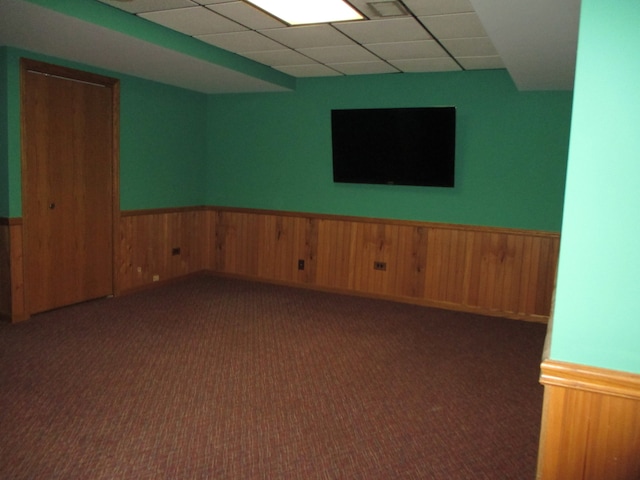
{"x": 220, "y": 378}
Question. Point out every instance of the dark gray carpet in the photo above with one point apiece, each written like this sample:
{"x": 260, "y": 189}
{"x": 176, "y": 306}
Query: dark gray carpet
{"x": 219, "y": 378}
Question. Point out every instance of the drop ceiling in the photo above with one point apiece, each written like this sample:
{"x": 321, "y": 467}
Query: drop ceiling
{"x": 534, "y": 41}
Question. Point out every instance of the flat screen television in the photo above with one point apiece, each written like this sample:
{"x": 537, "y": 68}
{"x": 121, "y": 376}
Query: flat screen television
{"x": 394, "y": 146}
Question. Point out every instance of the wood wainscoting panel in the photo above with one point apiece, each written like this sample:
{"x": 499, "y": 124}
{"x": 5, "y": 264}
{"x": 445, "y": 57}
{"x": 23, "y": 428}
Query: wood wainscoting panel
{"x": 282, "y": 241}
{"x": 493, "y": 270}
{"x": 236, "y": 246}
{"x": 448, "y": 277}
{"x": 374, "y": 242}
{"x": 590, "y": 423}
{"x": 407, "y": 278}
{"x": 496, "y": 271}
{"x": 334, "y": 269}
{"x": 12, "y": 301}
{"x": 148, "y": 243}
{"x": 402, "y": 250}
{"x": 5, "y": 270}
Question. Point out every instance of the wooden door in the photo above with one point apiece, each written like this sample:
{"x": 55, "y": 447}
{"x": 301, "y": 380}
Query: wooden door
{"x": 68, "y": 195}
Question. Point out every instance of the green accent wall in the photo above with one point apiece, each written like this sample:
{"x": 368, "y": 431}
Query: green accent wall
{"x": 10, "y": 169}
{"x": 4, "y": 136}
{"x": 162, "y": 140}
{"x": 597, "y": 311}
{"x": 162, "y": 145}
{"x": 273, "y": 151}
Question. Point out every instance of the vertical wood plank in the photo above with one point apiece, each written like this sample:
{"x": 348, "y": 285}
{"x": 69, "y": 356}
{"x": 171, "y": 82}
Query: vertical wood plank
{"x": 16, "y": 259}
{"x": 5, "y": 271}
{"x": 434, "y": 262}
{"x": 309, "y": 241}
{"x": 551, "y": 271}
{"x": 455, "y": 287}
{"x": 531, "y": 276}
{"x": 419, "y": 248}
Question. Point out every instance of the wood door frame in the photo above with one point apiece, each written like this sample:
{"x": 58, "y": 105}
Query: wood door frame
{"x": 30, "y": 65}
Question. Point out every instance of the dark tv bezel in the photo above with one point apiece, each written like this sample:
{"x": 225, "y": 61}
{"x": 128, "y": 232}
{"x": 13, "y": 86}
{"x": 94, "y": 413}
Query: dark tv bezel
{"x": 373, "y": 174}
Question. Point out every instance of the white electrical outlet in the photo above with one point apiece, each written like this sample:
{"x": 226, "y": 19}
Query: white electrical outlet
{"x": 156, "y": 278}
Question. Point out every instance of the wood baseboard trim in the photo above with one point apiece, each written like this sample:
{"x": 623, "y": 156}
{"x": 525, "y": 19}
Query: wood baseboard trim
{"x": 590, "y": 379}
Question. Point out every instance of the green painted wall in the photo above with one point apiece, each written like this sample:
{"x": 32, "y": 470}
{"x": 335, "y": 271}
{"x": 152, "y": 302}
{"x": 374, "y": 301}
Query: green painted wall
{"x": 4, "y": 136}
{"x": 273, "y": 151}
{"x": 597, "y": 312}
{"x": 10, "y": 198}
{"x": 162, "y": 140}
{"x": 181, "y": 148}
{"x": 163, "y": 146}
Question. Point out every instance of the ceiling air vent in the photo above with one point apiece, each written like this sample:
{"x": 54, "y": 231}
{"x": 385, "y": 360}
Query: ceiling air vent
{"x": 392, "y": 8}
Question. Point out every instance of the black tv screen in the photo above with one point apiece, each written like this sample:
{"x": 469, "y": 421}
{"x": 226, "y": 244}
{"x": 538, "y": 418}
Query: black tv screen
{"x": 394, "y": 146}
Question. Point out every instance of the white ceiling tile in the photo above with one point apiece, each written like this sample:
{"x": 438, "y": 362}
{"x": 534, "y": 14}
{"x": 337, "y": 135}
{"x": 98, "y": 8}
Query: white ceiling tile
{"x": 470, "y": 47}
{"x": 316, "y": 70}
{"x": 384, "y": 31}
{"x": 240, "y": 42}
{"x": 308, "y": 36}
{"x": 442, "y": 64}
{"x": 140, "y": 6}
{"x": 481, "y": 63}
{"x": 340, "y": 54}
{"x": 380, "y": 45}
{"x": 459, "y": 25}
{"x": 407, "y": 50}
{"x": 363, "y": 68}
{"x": 279, "y": 57}
{"x": 537, "y": 40}
{"x": 193, "y": 21}
{"x": 246, "y": 14}
{"x": 438, "y": 7}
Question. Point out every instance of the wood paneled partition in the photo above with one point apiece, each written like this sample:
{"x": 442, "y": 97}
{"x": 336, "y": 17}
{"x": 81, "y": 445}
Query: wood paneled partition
{"x": 590, "y": 423}
{"x": 496, "y": 271}
{"x": 264, "y": 245}
{"x": 12, "y": 304}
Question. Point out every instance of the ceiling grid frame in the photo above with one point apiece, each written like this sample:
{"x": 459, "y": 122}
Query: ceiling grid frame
{"x": 241, "y": 26}
{"x": 534, "y": 42}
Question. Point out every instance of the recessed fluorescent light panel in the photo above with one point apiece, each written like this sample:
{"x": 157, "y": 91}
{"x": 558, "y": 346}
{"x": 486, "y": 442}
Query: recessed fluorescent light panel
{"x": 302, "y": 12}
